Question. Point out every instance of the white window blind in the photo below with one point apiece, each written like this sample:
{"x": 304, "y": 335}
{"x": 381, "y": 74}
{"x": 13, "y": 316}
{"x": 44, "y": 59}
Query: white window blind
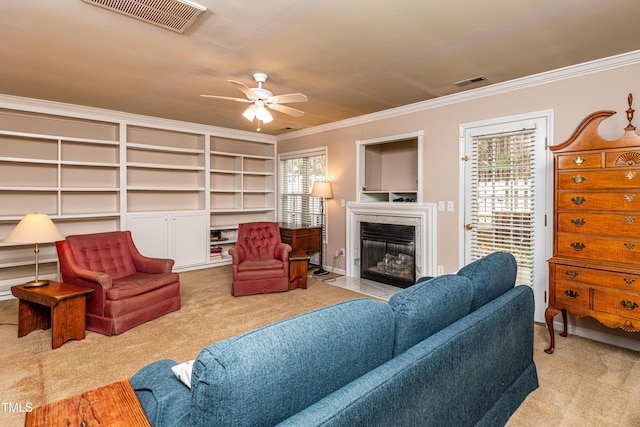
{"x": 502, "y": 199}
{"x": 298, "y": 172}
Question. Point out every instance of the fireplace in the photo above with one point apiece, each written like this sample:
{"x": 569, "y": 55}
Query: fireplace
{"x": 387, "y": 253}
{"x": 421, "y": 217}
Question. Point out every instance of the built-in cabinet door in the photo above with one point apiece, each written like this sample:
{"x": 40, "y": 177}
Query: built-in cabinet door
{"x": 189, "y": 238}
{"x": 150, "y": 232}
{"x": 177, "y": 235}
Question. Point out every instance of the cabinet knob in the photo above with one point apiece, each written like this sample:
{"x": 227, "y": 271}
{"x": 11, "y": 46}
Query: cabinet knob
{"x": 629, "y": 197}
{"x": 578, "y": 222}
{"x": 578, "y": 200}
{"x": 572, "y": 274}
{"x": 629, "y": 219}
{"x": 577, "y": 246}
{"x": 629, "y": 281}
{"x": 571, "y": 294}
{"x": 630, "y": 174}
{"x": 630, "y": 246}
{"x": 578, "y": 179}
{"x": 629, "y": 305}
{"x": 579, "y": 160}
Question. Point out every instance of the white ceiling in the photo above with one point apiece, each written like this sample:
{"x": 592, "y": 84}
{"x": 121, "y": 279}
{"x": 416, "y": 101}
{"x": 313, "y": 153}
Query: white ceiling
{"x": 350, "y": 57}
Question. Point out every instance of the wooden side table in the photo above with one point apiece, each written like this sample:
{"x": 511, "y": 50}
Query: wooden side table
{"x": 298, "y": 265}
{"x": 59, "y": 306}
{"x": 112, "y": 405}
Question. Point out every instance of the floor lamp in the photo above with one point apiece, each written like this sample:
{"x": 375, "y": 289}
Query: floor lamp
{"x": 323, "y": 190}
{"x": 35, "y": 229}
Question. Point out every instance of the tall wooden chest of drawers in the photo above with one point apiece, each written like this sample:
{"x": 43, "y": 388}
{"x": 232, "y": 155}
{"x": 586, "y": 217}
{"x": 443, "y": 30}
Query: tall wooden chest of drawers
{"x": 595, "y": 269}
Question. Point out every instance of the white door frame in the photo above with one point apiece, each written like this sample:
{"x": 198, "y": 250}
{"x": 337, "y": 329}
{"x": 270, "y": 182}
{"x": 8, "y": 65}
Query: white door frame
{"x": 545, "y": 236}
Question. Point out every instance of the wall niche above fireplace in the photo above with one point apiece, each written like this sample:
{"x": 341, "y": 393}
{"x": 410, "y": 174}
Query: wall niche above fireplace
{"x": 389, "y": 169}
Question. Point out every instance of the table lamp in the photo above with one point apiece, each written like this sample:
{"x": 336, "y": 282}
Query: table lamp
{"x": 35, "y": 228}
{"x": 323, "y": 190}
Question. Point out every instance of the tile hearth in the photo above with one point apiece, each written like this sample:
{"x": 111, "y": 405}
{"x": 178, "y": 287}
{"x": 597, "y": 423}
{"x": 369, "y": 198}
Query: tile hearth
{"x": 365, "y": 286}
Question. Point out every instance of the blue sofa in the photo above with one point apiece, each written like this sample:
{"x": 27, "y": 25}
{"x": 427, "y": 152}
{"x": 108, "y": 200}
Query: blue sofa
{"x": 455, "y": 350}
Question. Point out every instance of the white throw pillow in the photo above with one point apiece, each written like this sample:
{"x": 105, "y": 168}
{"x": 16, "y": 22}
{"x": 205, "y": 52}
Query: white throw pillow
{"x": 183, "y": 372}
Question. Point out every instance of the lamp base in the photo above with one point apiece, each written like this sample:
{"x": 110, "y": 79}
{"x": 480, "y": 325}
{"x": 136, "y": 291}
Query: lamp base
{"x": 36, "y": 283}
{"x": 320, "y": 272}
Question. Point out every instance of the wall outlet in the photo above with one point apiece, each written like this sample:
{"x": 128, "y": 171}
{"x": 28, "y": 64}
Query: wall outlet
{"x": 441, "y": 205}
{"x": 440, "y": 270}
{"x": 450, "y": 206}
{"x": 342, "y": 252}
{"x": 339, "y": 253}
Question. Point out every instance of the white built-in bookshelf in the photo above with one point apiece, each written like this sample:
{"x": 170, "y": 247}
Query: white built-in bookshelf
{"x": 174, "y": 184}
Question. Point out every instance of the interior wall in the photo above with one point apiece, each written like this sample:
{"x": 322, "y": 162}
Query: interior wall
{"x": 570, "y": 99}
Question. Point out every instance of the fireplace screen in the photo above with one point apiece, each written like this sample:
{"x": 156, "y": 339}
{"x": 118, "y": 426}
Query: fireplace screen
{"x": 387, "y": 253}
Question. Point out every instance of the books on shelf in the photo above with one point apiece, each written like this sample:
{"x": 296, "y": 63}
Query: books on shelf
{"x": 215, "y": 252}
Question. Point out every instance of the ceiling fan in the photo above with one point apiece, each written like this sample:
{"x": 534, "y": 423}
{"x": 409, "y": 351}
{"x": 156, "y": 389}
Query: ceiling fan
{"x": 261, "y": 99}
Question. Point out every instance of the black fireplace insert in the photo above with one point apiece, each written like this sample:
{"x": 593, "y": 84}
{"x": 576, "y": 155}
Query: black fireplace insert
{"x": 387, "y": 253}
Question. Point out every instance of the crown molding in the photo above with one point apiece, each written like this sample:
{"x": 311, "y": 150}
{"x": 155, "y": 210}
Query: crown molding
{"x": 591, "y": 67}
{"x": 42, "y": 106}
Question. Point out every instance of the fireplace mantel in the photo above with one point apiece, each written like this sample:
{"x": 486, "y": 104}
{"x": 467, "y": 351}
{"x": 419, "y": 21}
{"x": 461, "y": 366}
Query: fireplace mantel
{"x": 421, "y": 215}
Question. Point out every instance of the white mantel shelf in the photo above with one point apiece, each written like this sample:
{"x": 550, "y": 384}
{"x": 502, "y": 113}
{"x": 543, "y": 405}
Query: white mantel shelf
{"x": 422, "y": 215}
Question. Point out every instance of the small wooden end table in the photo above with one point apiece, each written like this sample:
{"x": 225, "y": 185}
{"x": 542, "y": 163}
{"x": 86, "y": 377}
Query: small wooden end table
{"x": 298, "y": 265}
{"x": 59, "y": 306}
{"x": 112, "y": 405}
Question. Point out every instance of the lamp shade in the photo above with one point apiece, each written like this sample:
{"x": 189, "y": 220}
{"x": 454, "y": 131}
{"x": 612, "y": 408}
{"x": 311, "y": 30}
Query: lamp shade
{"x": 34, "y": 228}
{"x": 321, "y": 189}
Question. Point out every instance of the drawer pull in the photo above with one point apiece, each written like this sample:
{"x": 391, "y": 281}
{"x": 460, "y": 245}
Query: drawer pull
{"x": 630, "y": 174}
{"x": 578, "y": 222}
{"x": 571, "y": 294}
{"x": 578, "y": 200}
{"x": 578, "y": 179}
{"x": 630, "y": 246}
{"x": 628, "y": 281}
{"x": 629, "y": 219}
{"x": 577, "y": 246}
{"x": 571, "y": 273}
{"x": 629, "y": 305}
{"x": 629, "y": 197}
{"x": 579, "y": 160}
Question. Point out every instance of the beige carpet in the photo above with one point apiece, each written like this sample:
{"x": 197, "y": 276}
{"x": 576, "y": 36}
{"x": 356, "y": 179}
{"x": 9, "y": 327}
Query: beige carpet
{"x": 583, "y": 384}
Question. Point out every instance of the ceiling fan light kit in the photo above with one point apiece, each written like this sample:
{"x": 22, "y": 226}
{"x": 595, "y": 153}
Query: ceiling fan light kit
{"x": 261, "y": 99}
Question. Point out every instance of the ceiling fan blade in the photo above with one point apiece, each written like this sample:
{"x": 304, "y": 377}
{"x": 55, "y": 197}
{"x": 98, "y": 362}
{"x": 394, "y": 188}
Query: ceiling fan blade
{"x": 286, "y": 110}
{"x": 289, "y": 97}
{"x": 245, "y": 89}
{"x": 228, "y": 98}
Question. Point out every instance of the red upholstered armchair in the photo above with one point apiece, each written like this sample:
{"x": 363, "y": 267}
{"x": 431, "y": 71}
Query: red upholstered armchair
{"x": 260, "y": 260}
{"x": 129, "y": 289}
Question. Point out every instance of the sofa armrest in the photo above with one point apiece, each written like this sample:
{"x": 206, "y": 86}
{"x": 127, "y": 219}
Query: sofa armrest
{"x": 70, "y": 269}
{"x": 146, "y": 264}
{"x": 237, "y": 255}
{"x": 152, "y": 265}
{"x": 282, "y": 251}
{"x": 165, "y": 400}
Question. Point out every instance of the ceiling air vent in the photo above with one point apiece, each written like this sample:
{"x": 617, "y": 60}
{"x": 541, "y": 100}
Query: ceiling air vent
{"x": 470, "y": 81}
{"x": 176, "y": 15}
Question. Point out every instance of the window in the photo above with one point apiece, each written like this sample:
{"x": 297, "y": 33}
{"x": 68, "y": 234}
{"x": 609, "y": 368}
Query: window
{"x": 298, "y": 171}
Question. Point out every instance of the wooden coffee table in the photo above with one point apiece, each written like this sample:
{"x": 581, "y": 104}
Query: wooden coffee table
{"x": 112, "y": 405}
{"x": 59, "y": 306}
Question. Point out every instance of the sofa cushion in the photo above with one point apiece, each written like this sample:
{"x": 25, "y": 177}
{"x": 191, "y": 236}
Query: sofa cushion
{"x": 264, "y": 376}
{"x": 139, "y": 283}
{"x": 427, "y": 307}
{"x": 260, "y": 264}
{"x": 491, "y": 276}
